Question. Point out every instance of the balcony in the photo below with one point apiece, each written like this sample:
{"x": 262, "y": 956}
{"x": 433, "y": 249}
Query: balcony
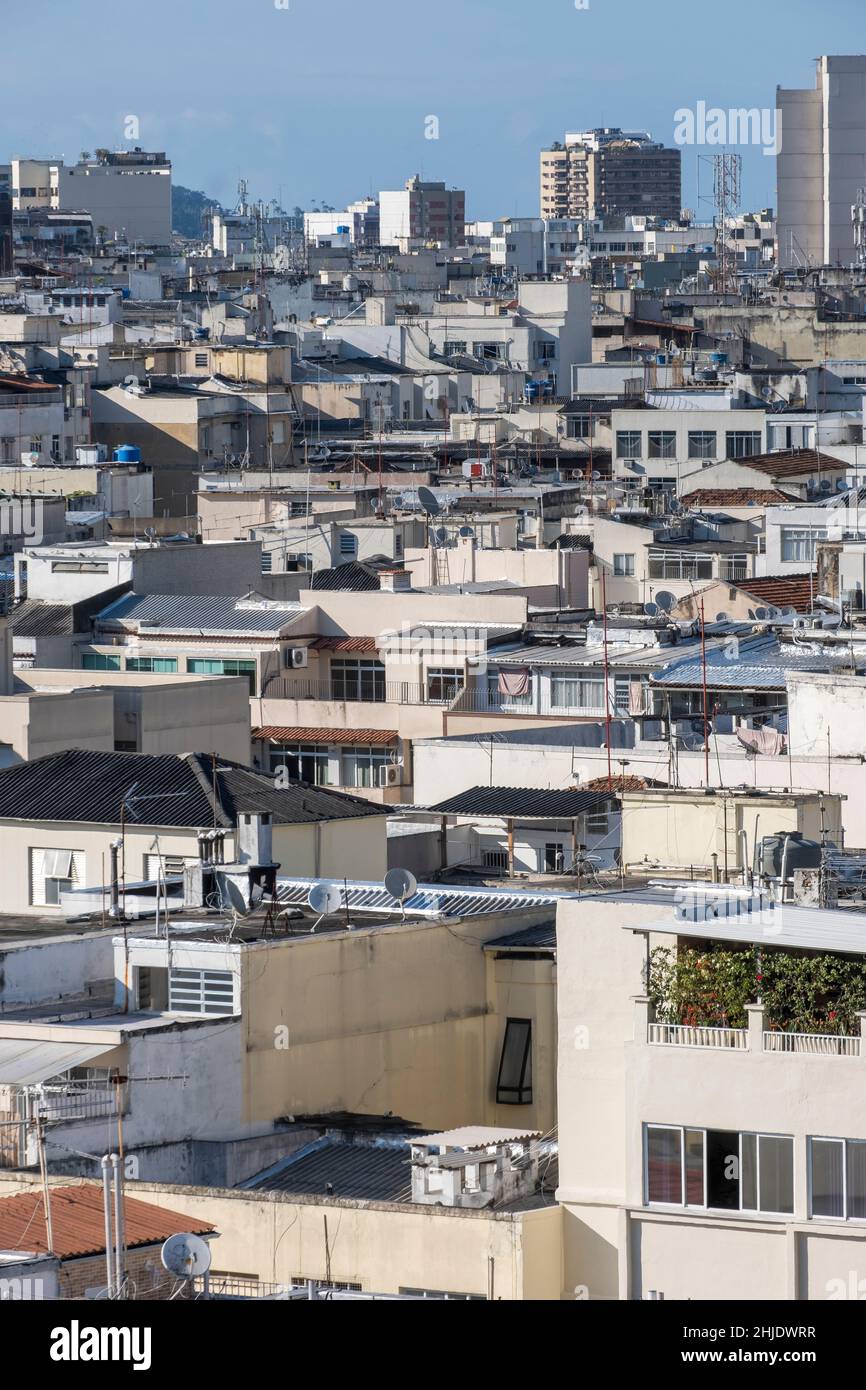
{"x": 755, "y": 1038}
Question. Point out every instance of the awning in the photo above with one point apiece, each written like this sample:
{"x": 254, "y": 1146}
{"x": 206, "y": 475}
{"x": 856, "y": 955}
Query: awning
{"x": 26, "y": 1062}
{"x": 339, "y": 737}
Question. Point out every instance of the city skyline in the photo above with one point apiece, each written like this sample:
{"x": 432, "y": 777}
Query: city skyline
{"x": 282, "y": 109}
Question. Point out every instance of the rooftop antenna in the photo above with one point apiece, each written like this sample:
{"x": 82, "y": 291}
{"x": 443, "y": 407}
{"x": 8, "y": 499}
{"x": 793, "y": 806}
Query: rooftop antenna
{"x": 401, "y": 885}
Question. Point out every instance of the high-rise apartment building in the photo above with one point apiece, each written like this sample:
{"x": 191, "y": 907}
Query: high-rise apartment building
{"x": 821, "y": 163}
{"x": 610, "y": 173}
{"x": 422, "y": 212}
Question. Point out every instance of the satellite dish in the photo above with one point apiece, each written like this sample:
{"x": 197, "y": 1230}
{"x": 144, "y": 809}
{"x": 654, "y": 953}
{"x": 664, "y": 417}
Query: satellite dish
{"x": 651, "y": 609}
{"x": 324, "y": 898}
{"x": 429, "y": 501}
{"x": 596, "y": 476}
{"x": 401, "y": 885}
{"x": 440, "y": 535}
{"x": 466, "y": 532}
{"x": 788, "y": 613}
{"x": 761, "y": 614}
{"x": 722, "y": 618}
{"x": 237, "y": 901}
{"x": 665, "y": 600}
{"x": 186, "y": 1255}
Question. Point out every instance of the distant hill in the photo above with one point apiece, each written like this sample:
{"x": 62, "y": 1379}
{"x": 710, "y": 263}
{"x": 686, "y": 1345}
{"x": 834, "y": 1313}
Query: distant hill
{"x": 187, "y": 207}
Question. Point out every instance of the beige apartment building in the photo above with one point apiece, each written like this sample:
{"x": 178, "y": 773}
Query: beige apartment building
{"x": 651, "y": 1113}
{"x": 610, "y": 173}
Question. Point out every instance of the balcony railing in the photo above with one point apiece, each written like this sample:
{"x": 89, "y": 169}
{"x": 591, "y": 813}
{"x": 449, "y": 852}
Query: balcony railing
{"x": 372, "y": 692}
{"x": 686, "y": 1035}
{"x": 813, "y": 1044}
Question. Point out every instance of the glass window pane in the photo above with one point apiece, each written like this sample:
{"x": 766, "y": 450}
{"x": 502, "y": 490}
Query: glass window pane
{"x": 856, "y": 1161}
{"x": 723, "y": 1169}
{"x": 694, "y": 1168}
{"x": 777, "y": 1173}
{"x": 827, "y": 1159}
{"x": 749, "y": 1172}
{"x": 664, "y": 1165}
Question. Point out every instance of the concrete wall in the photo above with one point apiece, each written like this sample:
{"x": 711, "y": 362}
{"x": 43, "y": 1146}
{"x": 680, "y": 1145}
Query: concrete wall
{"x": 53, "y": 967}
{"x": 826, "y": 713}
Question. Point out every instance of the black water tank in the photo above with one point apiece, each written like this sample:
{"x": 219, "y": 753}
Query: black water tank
{"x": 802, "y": 854}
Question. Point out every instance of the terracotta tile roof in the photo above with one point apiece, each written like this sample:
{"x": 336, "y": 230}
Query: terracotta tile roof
{"x": 783, "y": 590}
{"x": 373, "y": 737}
{"x": 736, "y": 496}
{"x": 368, "y": 645}
{"x": 791, "y": 463}
{"x": 628, "y": 784}
{"x": 78, "y": 1222}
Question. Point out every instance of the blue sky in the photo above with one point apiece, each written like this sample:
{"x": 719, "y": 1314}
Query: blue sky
{"x": 327, "y": 99}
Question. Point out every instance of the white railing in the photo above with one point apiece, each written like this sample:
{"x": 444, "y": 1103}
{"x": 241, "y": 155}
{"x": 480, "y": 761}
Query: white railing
{"x": 687, "y": 1035}
{"x": 813, "y": 1044}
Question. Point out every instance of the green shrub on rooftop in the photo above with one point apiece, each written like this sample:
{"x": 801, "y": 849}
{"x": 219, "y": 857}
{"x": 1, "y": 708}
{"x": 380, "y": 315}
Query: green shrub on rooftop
{"x": 711, "y": 986}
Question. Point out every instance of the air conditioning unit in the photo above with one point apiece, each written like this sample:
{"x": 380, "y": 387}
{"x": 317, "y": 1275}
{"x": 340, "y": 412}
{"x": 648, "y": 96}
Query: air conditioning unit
{"x": 298, "y": 656}
{"x": 390, "y": 775}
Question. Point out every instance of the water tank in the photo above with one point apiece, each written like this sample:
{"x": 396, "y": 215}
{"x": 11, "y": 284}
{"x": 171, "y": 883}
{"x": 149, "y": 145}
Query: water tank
{"x": 802, "y": 854}
{"x": 719, "y": 359}
{"x": 127, "y": 453}
{"x": 662, "y": 359}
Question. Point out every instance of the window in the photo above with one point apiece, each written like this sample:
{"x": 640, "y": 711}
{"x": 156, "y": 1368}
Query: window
{"x": 305, "y": 762}
{"x": 209, "y": 666}
{"x": 99, "y": 661}
{"x": 348, "y": 544}
{"x": 201, "y": 359}
{"x": 443, "y": 684}
{"x": 545, "y": 352}
{"x": 719, "y": 1169}
{"x": 52, "y": 872}
{"x": 169, "y": 864}
{"x": 201, "y": 991}
{"x": 298, "y": 1281}
{"x": 672, "y": 564}
{"x": 702, "y": 444}
{"x": 739, "y": 444}
{"x": 357, "y": 680}
{"x": 579, "y": 426}
{"x": 553, "y": 858}
{"x": 628, "y": 444}
{"x": 496, "y": 859}
{"x": 662, "y": 444}
{"x": 597, "y": 823}
{"x": 798, "y": 543}
{"x": 454, "y": 347}
{"x": 576, "y": 692}
{"x": 514, "y": 1082}
{"x": 151, "y": 663}
{"x": 487, "y": 351}
{"x": 623, "y": 564}
{"x": 361, "y": 766}
{"x": 838, "y": 1178}
{"x": 267, "y": 561}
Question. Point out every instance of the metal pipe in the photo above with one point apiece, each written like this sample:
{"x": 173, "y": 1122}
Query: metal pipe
{"x": 106, "y": 1204}
{"x": 744, "y": 840}
{"x": 755, "y": 873}
{"x": 115, "y": 880}
{"x": 784, "y": 877}
{"x": 118, "y": 1224}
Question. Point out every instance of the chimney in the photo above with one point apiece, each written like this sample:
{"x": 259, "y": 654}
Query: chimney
{"x": 255, "y": 838}
{"x": 395, "y": 581}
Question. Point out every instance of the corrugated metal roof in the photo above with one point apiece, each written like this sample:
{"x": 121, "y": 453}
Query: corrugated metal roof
{"x": 538, "y": 938}
{"x": 763, "y": 665}
{"x": 342, "y": 737}
{"x": 212, "y": 614}
{"x": 337, "y": 1168}
{"x": 78, "y": 1222}
{"x": 34, "y": 619}
{"x": 524, "y": 803}
{"x": 431, "y": 899}
{"x": 162, "y": 789}
{"x": 475, "y": 1137}
{"x": 26, "y": 1062}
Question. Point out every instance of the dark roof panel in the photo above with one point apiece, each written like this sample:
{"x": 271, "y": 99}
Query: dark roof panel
{"x": 529, "y": 803}
{"x": 335, "y": 1168}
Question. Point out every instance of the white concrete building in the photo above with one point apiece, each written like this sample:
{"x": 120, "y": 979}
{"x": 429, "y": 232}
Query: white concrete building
{"x": 821, "y": 163}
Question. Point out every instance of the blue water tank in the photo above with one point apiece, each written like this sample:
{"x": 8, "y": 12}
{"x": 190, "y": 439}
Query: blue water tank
{"x": 719, "y": 358}
{"x": 127, "y": 453}
{"x": 125, "y": 293}
{"x": 661, "y": 359}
